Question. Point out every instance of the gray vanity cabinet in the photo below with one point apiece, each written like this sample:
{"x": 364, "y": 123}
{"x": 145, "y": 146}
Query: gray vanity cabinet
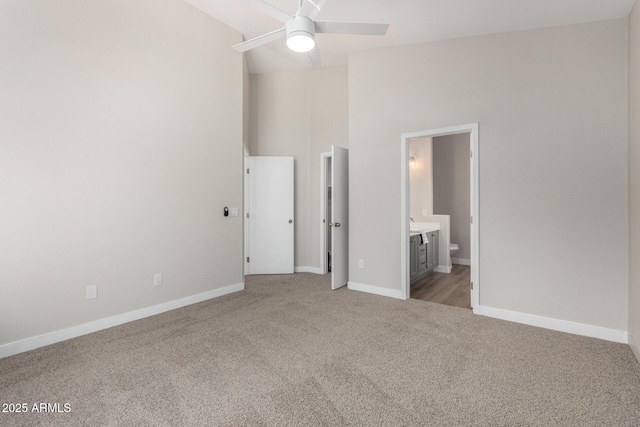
{"x": 422, "y": 258}
{"x": 414, "y": 242}
{"x": 432, "y": 260}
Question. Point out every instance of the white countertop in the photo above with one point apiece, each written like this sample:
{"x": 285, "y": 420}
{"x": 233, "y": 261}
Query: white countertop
{"x": 416, "y": 228}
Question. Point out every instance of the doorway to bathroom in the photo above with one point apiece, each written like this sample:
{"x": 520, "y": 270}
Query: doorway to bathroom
{"x": 439, "y": 220}
{"x": 439, "y": 192}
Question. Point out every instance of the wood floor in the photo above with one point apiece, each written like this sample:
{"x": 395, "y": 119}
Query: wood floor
{"x": 449, "y": 289}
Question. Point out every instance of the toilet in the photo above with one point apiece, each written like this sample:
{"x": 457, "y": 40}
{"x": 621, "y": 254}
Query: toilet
{"x": 453, "y": 247}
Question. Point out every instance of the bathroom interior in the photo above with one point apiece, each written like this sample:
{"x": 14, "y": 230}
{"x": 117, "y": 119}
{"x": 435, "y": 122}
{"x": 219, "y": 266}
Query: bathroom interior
{"x": 440, "y": 238}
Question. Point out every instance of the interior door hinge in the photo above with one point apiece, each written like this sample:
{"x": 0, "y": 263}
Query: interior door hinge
{"x": 247, "y": 214}
{"x": 472, "y": 154}
{"x": 247, "y": 171}
{"x": 247, "y": 259}
{"x": 471, "y": 219}
{"x": 471, "y": 285}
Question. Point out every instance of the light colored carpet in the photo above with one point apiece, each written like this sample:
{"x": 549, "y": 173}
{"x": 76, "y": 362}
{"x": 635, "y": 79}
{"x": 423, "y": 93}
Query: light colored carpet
{"x": 288, "y": 351}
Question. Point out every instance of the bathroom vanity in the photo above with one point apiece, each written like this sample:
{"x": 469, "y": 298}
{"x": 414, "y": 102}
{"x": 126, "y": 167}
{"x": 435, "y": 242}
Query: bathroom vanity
{"x": 423, "y": 258}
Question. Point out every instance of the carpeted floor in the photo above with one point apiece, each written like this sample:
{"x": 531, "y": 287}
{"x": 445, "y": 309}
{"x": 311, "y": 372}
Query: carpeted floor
{"x": 288, "y": 351}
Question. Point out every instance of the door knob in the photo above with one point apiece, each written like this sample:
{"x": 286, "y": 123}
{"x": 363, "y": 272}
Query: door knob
{"x": 337, "y": 224}
{"x": 290, "y": 221}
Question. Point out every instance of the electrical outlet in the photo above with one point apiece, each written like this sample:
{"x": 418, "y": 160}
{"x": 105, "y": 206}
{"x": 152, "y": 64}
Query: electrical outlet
{"x": 360, "y": 263}
{"x": 233, "y": 211}
{"x": 92, "y": 291}
{"x": 157, "y": 279}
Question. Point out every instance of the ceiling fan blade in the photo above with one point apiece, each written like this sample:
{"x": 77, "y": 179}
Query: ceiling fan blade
{"x": 351, "y": 28}
{"x": 315, "y": 58}
{"x": 320, "y": 5}
{"x": 310, "y": 8}
{"x": 270, "y": 10}
{"x": 260, "y": 40}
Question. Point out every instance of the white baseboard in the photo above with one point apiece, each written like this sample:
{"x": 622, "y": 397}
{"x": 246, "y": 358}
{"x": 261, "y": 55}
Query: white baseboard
{"x": 461, "y": 261}
{"x": 376, "y": 290}
{"x": 555, "y": 324}
{"x": 303, "y": 269}
{"x": 634, "y": 347}
{"x": 442, "y": 269}
{"x": 32, "y": 343}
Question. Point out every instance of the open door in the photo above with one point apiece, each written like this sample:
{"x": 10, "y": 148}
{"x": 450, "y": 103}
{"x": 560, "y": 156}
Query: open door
{"x": 339, "y": 217}
{"x": 271, "y": 244}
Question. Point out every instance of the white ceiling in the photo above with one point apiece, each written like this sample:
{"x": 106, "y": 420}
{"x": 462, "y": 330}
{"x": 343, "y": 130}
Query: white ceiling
{"x": 411, "y": 21}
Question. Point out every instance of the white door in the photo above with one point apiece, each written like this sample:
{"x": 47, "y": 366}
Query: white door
{"x": 270, "y": 215}
{"x": 339, "y": 217}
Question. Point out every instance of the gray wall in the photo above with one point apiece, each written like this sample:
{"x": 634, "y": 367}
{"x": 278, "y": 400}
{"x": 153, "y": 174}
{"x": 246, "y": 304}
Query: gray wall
{"x": 121, "y": 141}
{"x": 329, "y": 97}
{"x": 301, "y": 114}
{"x": 279, "y": 115}
{"x": 552, "y": 111}
{"x": 246, "y": 103}
{"x": 634, "y": 193}
{"x": 451, "y": 188}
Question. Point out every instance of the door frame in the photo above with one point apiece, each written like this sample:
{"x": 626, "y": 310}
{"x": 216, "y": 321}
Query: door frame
{"x": 246, "y": 210}
{"x": 324, "y": 158}
{"x": 472, "y": 129}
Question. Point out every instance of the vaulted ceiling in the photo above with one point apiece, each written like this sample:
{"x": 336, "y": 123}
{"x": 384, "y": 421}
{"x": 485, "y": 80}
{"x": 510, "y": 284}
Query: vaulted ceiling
{"x": 411, "y": 21}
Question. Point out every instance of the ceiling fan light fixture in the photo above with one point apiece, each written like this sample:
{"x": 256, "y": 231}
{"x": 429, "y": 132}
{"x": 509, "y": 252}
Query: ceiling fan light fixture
{"x": 300, "y": 41}
{"x": 300, "y": 34}
{"x": 300, "y": 29}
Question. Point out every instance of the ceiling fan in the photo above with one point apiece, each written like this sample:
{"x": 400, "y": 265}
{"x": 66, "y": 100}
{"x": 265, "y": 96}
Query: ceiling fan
{"x": 300, "y": 29}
